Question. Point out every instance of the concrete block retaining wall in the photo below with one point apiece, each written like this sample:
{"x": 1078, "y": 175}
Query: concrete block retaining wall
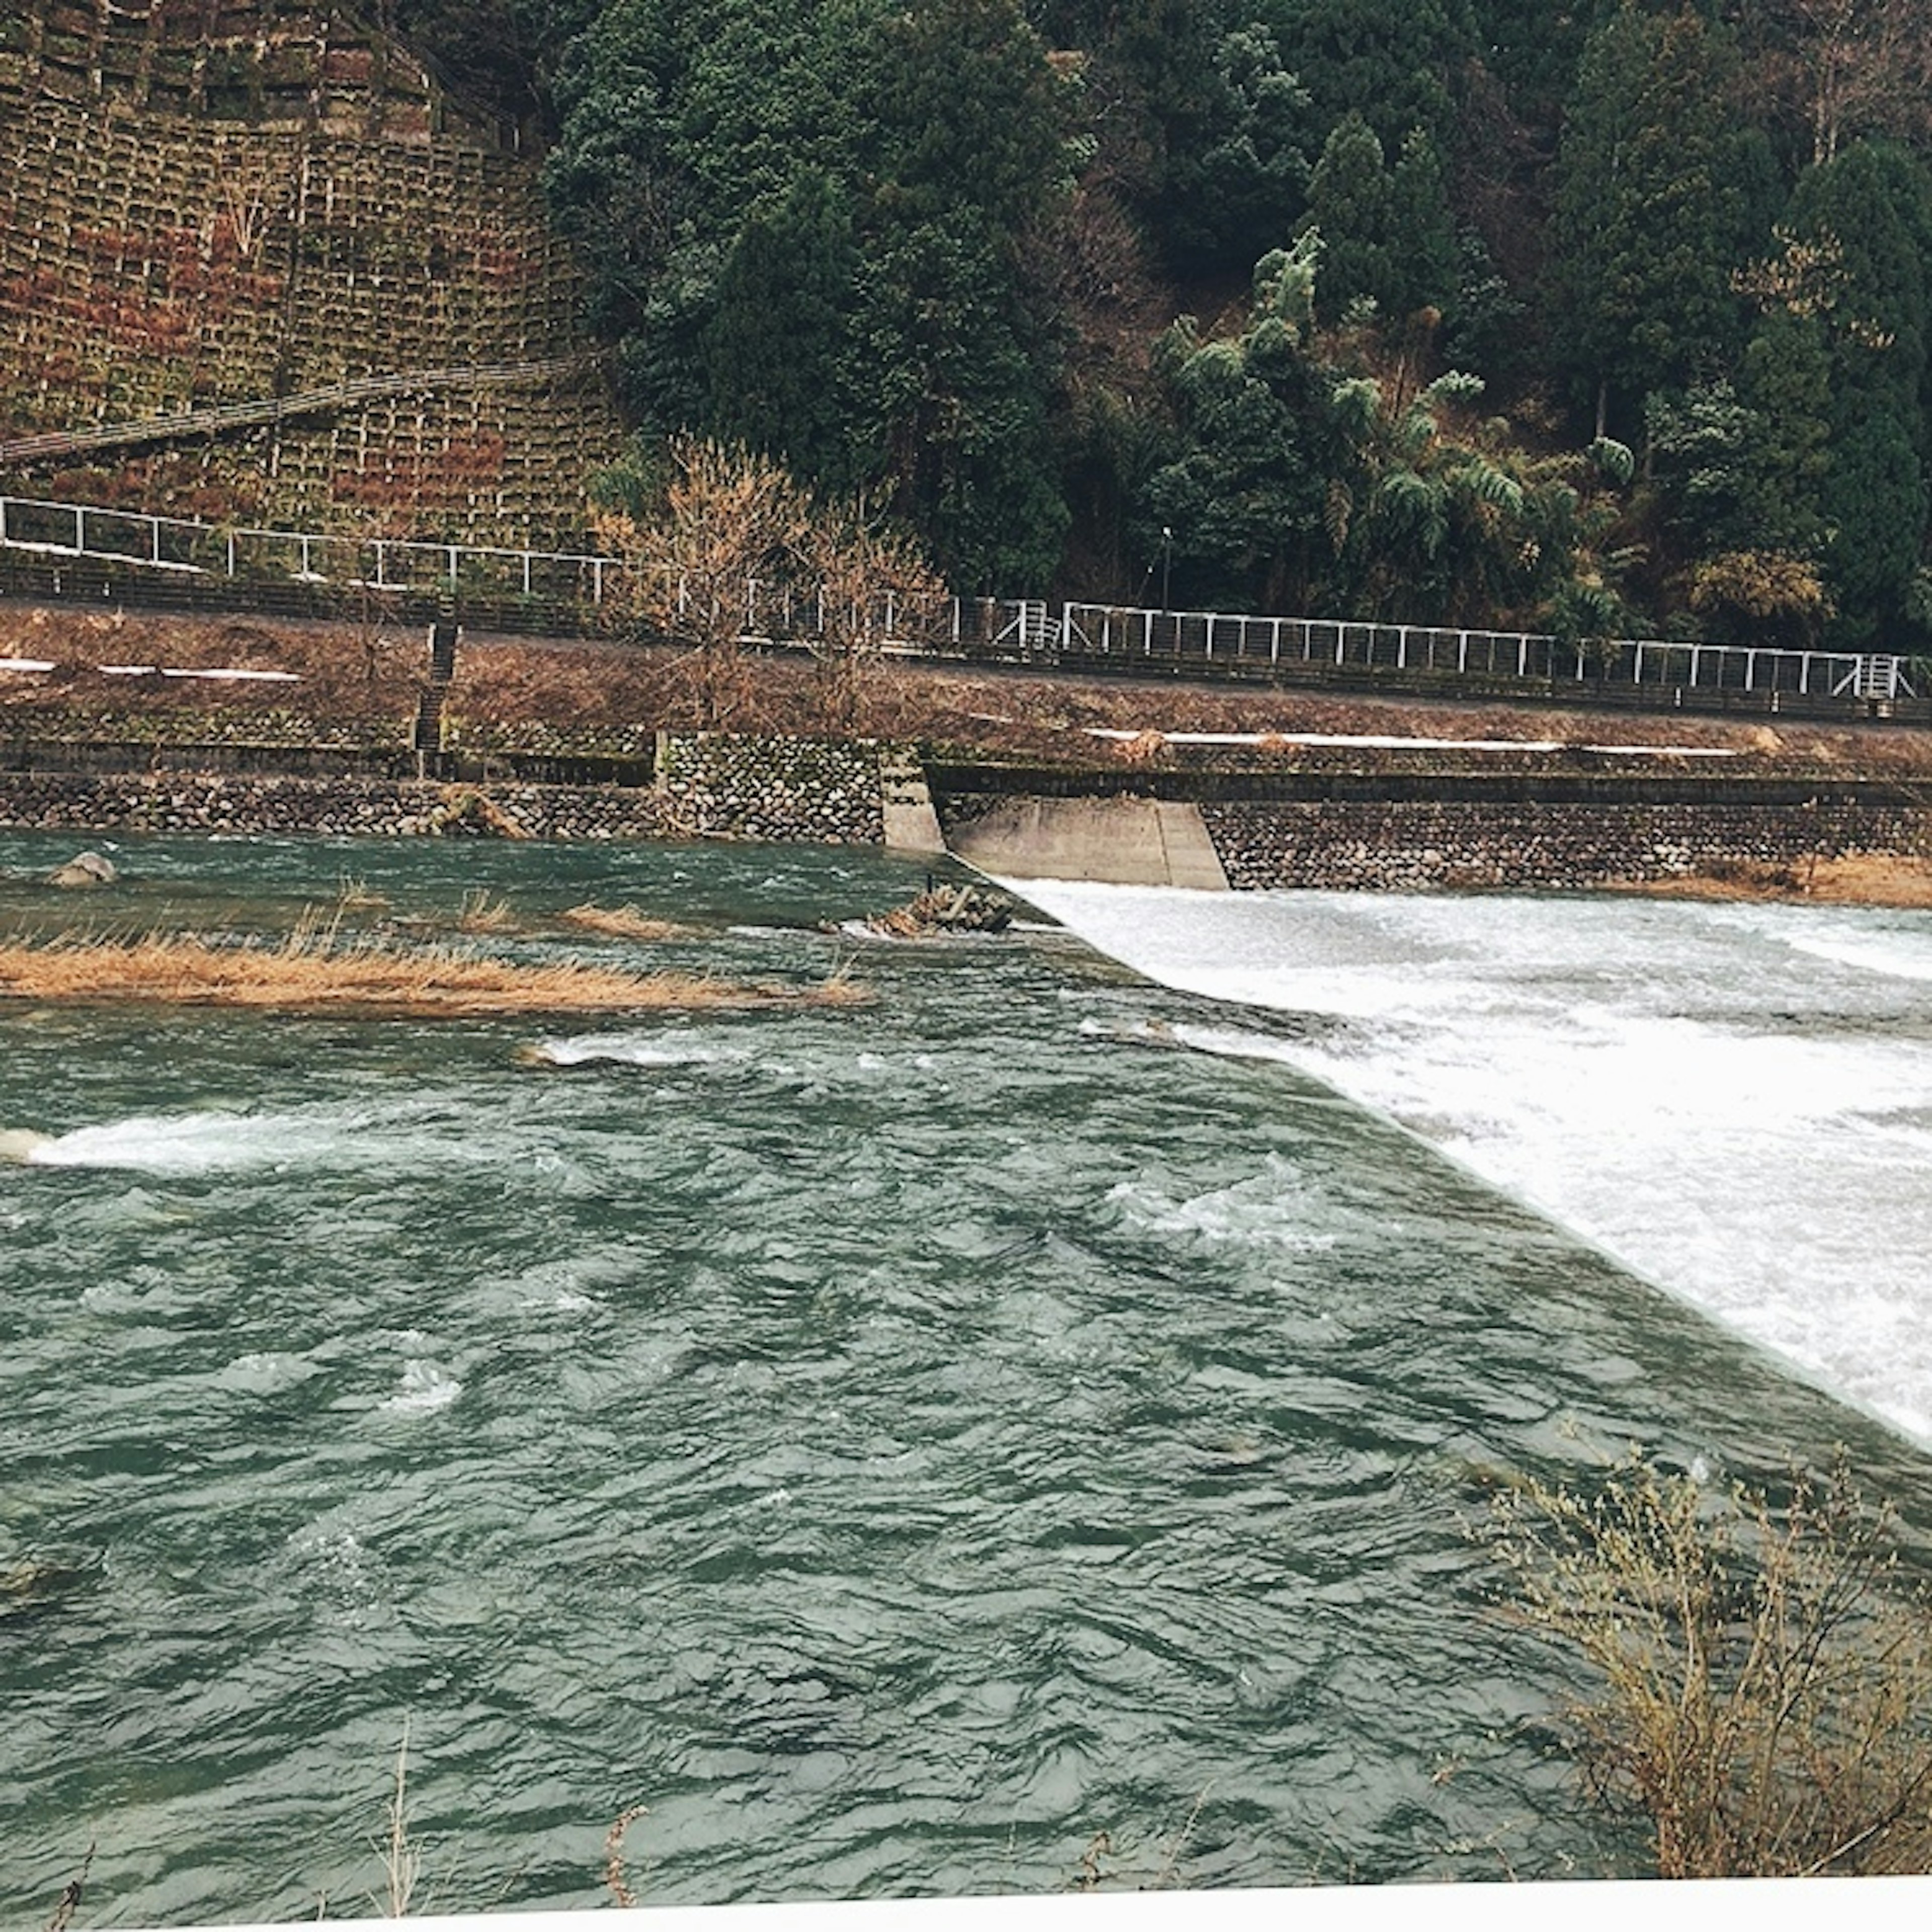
{"x": 1411, "y": 847}
{"x": 819, "y": 791}
{"x": 711, "y": 787}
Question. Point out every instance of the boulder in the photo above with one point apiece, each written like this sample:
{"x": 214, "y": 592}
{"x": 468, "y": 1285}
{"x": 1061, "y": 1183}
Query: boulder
{"x": 946, "y": 909}
{"x": 83, "y": 872}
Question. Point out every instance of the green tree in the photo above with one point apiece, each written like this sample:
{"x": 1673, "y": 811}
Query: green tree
{"x": 1866, "y": 219}
{"x": 1651, "y": 213}
{"x": 804, "y": 229}
{"x": 1246, "y": 494}
{"x": 1203, "y": 126}
{"x": 1392, "y": 61}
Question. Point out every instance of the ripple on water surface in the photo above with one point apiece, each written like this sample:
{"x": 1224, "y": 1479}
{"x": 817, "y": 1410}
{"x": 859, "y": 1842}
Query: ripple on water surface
{"x": 895, "y": 1445}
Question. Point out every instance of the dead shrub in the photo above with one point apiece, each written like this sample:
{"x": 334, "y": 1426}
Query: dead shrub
{"x": 1764, "y": 1668}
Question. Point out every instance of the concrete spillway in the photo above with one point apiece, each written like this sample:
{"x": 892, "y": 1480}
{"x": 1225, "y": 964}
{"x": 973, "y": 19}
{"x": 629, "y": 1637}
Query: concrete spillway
{"x": 1125, "y": 841}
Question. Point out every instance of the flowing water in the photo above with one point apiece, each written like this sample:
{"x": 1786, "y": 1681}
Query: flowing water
{"x": 895, "y": 1445}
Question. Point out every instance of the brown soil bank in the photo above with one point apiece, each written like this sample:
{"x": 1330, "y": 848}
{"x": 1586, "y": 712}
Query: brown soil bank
{"x": 1865, "y": 878}
{"x": 358, "y": 686}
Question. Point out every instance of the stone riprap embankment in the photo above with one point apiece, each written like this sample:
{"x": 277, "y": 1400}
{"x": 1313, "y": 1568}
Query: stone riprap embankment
{"x": 175, "y": 801}
{"x": 807, "y": 791}
{"x": 1415, "y": 846}
{"x": 823, "y": 791}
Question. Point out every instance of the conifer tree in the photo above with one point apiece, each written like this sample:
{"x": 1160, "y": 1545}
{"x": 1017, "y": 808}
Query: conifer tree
{"x": 1652, "y": 214}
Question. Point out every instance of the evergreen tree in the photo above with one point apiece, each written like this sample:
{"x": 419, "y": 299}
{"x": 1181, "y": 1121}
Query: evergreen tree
{"x": 804, "y": 230}
{"x": 1392, "y": 61}
{"x": 1652, "y": 214}
{"x": 1210, "y": 131}
{"x": 1866, "y": 217}
{"x": 1350, "y": 204}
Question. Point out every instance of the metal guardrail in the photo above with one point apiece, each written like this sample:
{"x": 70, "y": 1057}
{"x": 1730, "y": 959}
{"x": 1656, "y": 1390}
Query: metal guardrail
{"x": 589, "y": 593}
{"x": 213, "y": 420}
{"x": 1125, "y": 634}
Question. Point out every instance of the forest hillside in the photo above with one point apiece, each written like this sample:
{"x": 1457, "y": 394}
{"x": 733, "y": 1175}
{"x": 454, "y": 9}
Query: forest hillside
{"x": 1600, "y": 319}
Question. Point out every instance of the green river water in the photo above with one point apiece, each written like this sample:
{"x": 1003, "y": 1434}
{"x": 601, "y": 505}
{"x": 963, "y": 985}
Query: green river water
{"x": 894, "y": 1444}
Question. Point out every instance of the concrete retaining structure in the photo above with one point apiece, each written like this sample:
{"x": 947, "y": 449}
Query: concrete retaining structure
{"x": 800, "y": 789}
{"x": 1126, "y": 841}
{"x": 1414, "y": 847}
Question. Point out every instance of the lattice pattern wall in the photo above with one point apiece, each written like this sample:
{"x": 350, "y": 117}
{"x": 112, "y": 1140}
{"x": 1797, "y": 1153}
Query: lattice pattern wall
{"x": 172, "y": 235}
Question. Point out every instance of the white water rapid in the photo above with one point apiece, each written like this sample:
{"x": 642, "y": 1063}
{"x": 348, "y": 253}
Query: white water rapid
{"x": 1734, "y": 1101}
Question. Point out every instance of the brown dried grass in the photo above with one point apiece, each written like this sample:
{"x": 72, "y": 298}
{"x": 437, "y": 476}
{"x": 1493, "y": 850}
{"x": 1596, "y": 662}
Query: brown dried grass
{"x": 622, "y": 922}
{"x": 1861, "y": 878}
{"x": 316, "y": 970}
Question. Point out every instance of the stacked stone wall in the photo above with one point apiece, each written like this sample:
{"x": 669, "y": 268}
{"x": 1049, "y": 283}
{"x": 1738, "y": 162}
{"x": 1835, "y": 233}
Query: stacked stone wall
{"x": 822, "y": 790}
{"x": 782, "y": 789}
{"x": 1412, "y": 847}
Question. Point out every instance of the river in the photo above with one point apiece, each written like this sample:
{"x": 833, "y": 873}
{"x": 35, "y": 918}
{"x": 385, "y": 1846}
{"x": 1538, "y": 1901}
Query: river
{"x": 896, "y": 1445}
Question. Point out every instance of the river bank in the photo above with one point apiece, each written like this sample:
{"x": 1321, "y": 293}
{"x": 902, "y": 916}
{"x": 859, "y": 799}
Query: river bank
{"x": 110, "y": 723}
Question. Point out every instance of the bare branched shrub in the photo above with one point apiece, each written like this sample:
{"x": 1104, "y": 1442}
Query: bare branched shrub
{"x": 402, "y": 1859}
{"x": 69, "y": 1902}
{"x": 1765, "y": 1668}
{"x": 616, "y": 1879}
{"x": 726, "y": 546}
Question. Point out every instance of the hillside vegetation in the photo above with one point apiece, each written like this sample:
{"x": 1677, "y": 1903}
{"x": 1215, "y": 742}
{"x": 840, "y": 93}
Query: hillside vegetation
{"x": 1596, "y": 317}
{"x": 1603, "y": 319}
{"x": 204, "y": 205}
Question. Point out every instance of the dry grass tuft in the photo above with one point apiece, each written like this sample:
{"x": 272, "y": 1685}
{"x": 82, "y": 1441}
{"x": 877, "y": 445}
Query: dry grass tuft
{"x": 1143, "y": 748}
{"x": 622, "y": 922}
{"x": 316, "y": 970}
{"x": 1857, "y": 878}
{"x": 1763, "y": 1697}
{"x": 482, "y": 913}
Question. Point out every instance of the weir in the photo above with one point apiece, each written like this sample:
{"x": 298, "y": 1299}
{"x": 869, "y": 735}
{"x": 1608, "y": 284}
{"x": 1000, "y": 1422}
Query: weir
{"x": 1128, "y": 842}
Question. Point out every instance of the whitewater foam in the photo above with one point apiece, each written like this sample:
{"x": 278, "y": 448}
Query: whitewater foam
{"x": 1705, "y": 1092}
{"x": 424, "y": 1390}
{"x": 633, "y": 1050}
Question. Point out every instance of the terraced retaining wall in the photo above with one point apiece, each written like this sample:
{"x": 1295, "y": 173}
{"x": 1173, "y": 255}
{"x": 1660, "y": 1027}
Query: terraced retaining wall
{"x": 1410, "y": 846}
{"x": 802, "y": 790}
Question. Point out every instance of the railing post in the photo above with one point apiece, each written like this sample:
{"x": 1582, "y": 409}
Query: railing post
{"x": 80, "y": 532}
{"x": 452, "y": 566}
{"x": 1804, "y": 675}
{"x": 1274, "y": 642}
{"x": 154, "y": 539}
{"x": 231, "y": 553}
{"x": 597, "y": 580}
{"x": 1402, "y": 647}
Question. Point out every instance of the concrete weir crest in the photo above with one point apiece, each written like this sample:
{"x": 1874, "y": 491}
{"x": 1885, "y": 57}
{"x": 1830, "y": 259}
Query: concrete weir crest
{"x": 1123, "y": 841}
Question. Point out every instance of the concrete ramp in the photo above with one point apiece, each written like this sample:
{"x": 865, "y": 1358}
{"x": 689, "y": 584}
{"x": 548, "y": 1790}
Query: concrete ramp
{"x": 1120, "y": 841}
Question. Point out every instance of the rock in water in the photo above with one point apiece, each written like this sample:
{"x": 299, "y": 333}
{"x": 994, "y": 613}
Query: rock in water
{"x": 18, "y": 1144}
{"x": 946, "y": 909}
{"x": 85, "y": 870}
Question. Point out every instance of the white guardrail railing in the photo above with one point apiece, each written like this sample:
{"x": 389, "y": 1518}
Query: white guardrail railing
{"x": 1012, "y": 627}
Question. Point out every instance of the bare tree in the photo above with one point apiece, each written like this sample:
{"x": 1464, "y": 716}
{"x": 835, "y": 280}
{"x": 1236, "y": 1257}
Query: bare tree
{"x": 726, "y": 547}
{"x": 1849, "y": 67}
